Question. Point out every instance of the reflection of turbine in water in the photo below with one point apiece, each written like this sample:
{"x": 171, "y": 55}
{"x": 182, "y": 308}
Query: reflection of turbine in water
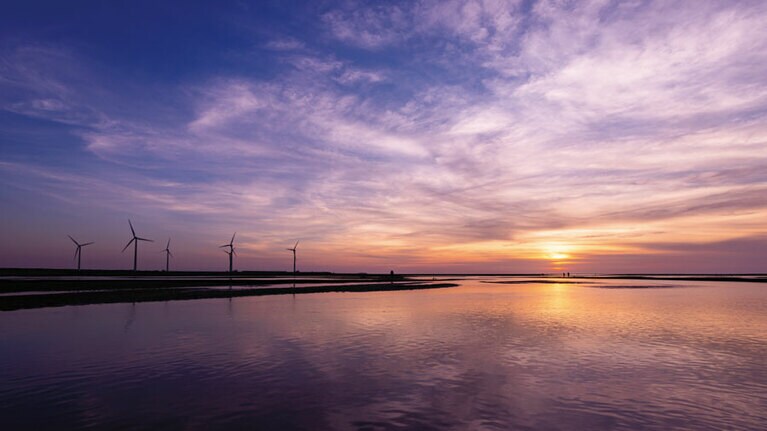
{"x": 135, "y": 241}
{"x": 294, "y": 256}
{"x": 131, "y": 317}
{"x": 79, "y": 250}
{"x": 168, "y": 255}
{"x": 231, "y": 251}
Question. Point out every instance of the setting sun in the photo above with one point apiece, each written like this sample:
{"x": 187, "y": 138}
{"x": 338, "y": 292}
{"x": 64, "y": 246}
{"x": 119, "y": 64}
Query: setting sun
{"x": 557, "y": 252}
{"x": 558, "y": 256}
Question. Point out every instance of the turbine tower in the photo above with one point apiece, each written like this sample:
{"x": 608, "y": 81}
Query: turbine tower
{"x": 294, "y": 256}
{"x": 168, "y": 255}
{"x": 231, "y": 251}
{"x": 135, "y": 241}
{"x": 230, "y": 258}
{"x": 79, "y": 250}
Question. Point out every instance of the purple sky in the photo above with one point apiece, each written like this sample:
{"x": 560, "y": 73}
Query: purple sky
{"x": 430, "y": 136}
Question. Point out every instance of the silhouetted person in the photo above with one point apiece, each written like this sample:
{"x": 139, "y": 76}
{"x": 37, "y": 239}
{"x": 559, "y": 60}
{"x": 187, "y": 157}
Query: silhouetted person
{"x": 391, "y": 275}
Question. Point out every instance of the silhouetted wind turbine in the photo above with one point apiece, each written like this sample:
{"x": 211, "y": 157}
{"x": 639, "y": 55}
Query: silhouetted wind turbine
{"x": 79, "y": 250}
{"x": 294, "y": 255}
{"x": 231, "y": 251}
{"x": 230, "y": 258}
{"x": 135, "y": 241}
{"x": 168, "y": 255}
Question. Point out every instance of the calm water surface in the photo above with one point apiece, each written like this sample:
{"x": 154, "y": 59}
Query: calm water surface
{"x": 690, "y": 355}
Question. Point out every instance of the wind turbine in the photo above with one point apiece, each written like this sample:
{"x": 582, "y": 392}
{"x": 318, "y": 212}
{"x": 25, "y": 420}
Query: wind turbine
{"x": 294, "y": 255}
{"x": 168, "y": 255}
{"x": 135, "y": 241}
{"x": 231, "y": 251}
{"x": 79, "y": 251}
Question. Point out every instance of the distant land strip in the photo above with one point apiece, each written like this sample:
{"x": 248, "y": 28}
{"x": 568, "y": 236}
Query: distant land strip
{"x": 85, "y": 284}
{"x": 758, "y": 278}
{"x": 18, "y": 302}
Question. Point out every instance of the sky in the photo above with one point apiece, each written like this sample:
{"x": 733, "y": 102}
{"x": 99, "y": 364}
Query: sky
{"x": 414, "y": 136}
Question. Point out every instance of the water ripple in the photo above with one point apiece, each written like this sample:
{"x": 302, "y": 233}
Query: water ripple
{"x": 483, "y": 356}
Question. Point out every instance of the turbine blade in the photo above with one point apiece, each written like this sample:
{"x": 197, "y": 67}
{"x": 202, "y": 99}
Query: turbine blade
{"x": 128, "y": 244}
{"x": 296, "y": 246}
{"x": 144, "y": 239}
{"x": 131, "y": 228}
{"x": 87, "y": 243}
{"x": 171, "y": 254}
{"x": 73, "y": 240}
{"x": 225, "y": 245}
{"x": 232, "y": 241}
{"x": 77, "y": 250}
{"x": 168, "y": 244}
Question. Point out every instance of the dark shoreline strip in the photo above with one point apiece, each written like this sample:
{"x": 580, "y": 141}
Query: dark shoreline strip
{"x": 84, "y": 284}
{"x": 683, "y": 278}
{"x": 19, "y": 302}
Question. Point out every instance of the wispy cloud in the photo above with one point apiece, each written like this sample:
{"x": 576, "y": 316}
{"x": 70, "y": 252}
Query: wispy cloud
{"x": 474, "y": 131}
{"x": 285, "y": 44}
{"x": 367, "y": 27}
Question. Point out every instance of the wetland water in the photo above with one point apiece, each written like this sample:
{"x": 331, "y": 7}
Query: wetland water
{"x": 685, "y": 355}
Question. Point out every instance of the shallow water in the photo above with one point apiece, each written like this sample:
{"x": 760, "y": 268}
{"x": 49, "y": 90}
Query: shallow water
{"x": 478, "y": 356}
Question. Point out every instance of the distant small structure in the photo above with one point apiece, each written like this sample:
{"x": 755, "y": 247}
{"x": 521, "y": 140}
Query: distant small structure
{"x": 294, "y": 255}
{"x": 168, "y": 255}
{"x": 231, "y": 251}
{"x": 79, "y": 250}
{"x": 135, "y": 241}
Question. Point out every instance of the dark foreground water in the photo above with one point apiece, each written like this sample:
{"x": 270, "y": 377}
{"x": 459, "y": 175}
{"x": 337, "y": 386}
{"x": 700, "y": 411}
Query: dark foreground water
{"x": 688, "y": 355}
